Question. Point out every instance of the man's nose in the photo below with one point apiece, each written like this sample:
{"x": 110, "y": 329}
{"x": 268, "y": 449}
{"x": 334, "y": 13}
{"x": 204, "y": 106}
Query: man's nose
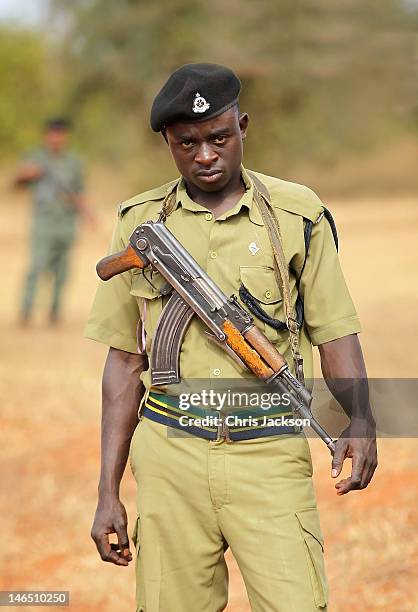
{"x": 205, "y": 155}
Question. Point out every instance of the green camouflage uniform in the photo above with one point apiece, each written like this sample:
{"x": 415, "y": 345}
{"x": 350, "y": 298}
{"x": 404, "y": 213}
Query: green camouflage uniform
{"x": 54, "y": 222}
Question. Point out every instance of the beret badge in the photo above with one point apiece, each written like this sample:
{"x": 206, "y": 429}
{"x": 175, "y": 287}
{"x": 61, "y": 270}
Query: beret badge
{"x": 200, "y": 105}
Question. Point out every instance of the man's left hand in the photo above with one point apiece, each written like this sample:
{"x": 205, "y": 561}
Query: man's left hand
{"x": 362, "y": 449}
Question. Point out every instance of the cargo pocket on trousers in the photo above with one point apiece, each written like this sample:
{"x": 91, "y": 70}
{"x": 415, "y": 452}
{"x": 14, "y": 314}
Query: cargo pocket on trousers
{"x": 314, "y": 548}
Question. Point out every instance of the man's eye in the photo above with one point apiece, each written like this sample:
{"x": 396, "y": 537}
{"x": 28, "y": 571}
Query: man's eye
{"x": 219, "y": 139}
{"x": 187, "y": 144}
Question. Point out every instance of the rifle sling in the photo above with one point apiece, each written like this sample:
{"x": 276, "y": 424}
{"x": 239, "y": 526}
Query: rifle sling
{"x": 281, "y": 270}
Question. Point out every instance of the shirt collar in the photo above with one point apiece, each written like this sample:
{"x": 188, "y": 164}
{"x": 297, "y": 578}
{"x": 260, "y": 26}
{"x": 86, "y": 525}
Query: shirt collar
{"x": 183, "y": 198}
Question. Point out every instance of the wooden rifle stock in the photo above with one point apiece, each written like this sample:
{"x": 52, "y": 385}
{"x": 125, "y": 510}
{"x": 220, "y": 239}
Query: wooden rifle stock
{"x": 119, "y": 262}
{"x": 252, "y": 359}
{"x": 255, "y": 350}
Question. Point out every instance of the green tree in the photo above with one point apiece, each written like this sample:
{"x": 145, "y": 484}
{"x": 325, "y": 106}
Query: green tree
{"x": 27, "y": 91}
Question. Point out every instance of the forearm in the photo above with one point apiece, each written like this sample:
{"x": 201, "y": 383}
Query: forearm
{"x": 344, "y": 371}
{"x": 122, "y": 391}
{"x": 28, "y": 173}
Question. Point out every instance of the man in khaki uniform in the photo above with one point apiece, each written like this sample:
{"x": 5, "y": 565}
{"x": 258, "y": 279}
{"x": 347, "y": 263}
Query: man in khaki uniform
{"x": 197, "y": 496}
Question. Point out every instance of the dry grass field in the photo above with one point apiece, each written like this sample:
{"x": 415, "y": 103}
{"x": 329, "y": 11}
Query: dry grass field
{"x": 50, "y": 412}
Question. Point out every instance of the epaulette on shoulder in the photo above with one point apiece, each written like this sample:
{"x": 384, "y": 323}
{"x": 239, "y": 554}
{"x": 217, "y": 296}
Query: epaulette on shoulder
{"x": 301, "y": 200}
{"x": 294, "y": 198}
{"x": 158, "y": 193}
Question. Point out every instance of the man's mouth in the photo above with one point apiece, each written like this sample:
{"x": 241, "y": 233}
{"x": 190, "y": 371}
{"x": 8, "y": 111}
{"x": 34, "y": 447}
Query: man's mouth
{"x": 209, "y": 176}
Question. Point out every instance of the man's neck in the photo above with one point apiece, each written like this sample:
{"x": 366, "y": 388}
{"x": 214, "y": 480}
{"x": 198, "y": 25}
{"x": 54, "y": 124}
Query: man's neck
{"x": 218, "y": 201}
{"x": 55, "y": 152}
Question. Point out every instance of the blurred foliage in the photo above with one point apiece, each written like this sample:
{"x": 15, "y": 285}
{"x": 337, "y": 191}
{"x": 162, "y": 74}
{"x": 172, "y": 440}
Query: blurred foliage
{"x": 321, "y": 79}
{"x": 32, "y": 86}
{"x": 23, "y": 87}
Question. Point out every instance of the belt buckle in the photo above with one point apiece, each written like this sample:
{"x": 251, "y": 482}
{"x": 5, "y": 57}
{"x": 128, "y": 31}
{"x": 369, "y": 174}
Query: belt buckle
{"x": 223, "y": 431}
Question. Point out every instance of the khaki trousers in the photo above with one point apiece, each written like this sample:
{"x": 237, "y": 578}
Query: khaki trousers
{"x": 196, "y": 497}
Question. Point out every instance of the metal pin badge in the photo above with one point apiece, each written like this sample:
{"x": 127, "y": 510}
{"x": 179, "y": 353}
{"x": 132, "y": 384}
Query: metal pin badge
{"x": 253, "y": 248}
{"x": 200, "y": 105}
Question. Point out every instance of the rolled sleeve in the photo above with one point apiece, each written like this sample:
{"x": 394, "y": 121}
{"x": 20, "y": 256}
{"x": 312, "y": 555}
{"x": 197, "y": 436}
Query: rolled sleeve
{"x": 328, "y": 308}
{"x": 114, "y": 317}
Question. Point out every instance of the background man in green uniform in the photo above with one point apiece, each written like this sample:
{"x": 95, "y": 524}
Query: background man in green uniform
{"x": 56, "y": 177}
{"x": 197, "y": 496}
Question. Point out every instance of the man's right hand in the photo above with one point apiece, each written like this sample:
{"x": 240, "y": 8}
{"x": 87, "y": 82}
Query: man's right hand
{"x": 110, "y": 518}
{"x": 28, "y": 172}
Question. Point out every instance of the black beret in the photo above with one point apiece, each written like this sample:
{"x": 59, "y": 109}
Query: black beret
{"x": 58, "y": 123}
{"x": 195, "y": 92}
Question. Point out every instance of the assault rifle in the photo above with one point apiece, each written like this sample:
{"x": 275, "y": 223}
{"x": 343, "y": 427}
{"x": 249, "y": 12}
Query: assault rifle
{"x": 194, "y": 292}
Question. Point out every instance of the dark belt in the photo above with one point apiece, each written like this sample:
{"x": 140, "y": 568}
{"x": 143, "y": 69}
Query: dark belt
{"x": 215, "y": 425}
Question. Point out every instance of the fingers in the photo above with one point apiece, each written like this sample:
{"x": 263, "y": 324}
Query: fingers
{"x": 363, "y": 451}
{"x": 371, "y": 465}
{"x": 357, "y": 468}
{"x": 112, "y": 553}
{"x": 123, "y": 542}
{"x": 355, "y": 480}
{"x": 343, "y": 486}
{"x": 363, "y": 468}
{"x": 339, "y": 456}
{"x": 106, "y": 551}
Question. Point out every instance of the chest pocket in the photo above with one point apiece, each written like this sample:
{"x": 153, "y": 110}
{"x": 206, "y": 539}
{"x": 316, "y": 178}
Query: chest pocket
{"x": 148, "y": 289}
{"x": 258, "y": 284}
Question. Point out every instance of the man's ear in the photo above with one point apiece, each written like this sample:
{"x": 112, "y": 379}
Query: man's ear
{"x": 243, "y": 124}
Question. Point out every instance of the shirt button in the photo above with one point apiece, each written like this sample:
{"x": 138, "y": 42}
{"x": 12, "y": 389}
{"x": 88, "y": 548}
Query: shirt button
{"x": 214, "y": 254}
{"x": 268, "y": 294}
{"x": 208, "y": 216}
{"x": 216, "y": 372}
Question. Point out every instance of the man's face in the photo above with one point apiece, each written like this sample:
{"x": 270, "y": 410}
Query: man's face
{"x": 56, "y": 139}
{"x": 209, "y": 153}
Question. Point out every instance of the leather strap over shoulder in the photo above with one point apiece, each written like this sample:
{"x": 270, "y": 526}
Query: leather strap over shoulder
{"x": 328, "y": 216}
{"x": 262, "y": 199}
{"x": 169, "y": 202}
{"x": 260, "y": 186}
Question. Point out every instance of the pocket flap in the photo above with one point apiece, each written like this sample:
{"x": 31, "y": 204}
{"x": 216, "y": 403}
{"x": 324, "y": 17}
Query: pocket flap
{"x": 308, "y": 520}
{"x": 314, "y": 545}
{"x": 136, "y": 533}
{"x": 261, "y": 283}
{"x": 147, "y": 284}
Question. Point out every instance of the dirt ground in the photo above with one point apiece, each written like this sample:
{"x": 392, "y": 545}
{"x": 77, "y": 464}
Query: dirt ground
{"x": 50, "y": 413}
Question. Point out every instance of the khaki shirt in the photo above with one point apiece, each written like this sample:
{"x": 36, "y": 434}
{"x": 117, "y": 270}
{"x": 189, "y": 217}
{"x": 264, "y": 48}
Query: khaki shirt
{"x": 128, "y": 305}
